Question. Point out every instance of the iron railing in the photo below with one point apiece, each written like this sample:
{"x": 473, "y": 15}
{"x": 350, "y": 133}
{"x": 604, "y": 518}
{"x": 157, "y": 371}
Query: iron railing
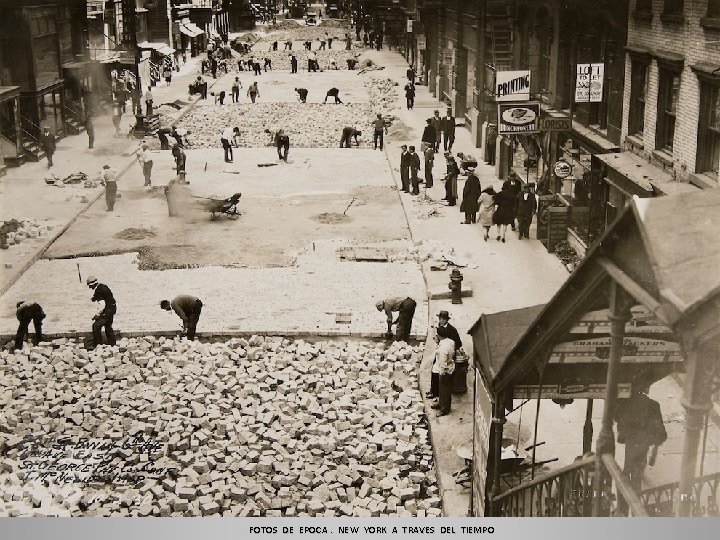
{"x": 660, "y": 500}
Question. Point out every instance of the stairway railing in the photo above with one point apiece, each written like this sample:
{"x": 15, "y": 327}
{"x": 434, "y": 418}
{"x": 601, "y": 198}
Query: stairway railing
{"x": 660, "y": 500}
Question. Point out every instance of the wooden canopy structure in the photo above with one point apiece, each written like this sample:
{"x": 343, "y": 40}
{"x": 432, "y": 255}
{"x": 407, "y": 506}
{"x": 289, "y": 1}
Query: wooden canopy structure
{"x": 645, "y": 302}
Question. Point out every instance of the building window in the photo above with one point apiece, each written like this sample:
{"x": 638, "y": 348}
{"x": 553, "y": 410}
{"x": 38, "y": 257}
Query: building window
{"x": 638, "y": 91}
{"x": 713, "y": 9}
{"x": 708, "y": 147}
{"x": 669, "y": 86}
{"x": 673, "y": 7}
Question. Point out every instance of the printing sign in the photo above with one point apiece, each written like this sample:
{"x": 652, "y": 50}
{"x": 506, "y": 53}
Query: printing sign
{"x": 518, "y": 118}
{"x": 589, "y": 83}
{"x": 512, "y": 86}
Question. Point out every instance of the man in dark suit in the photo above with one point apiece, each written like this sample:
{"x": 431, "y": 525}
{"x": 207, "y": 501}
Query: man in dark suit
{"x": 414, "y": 168}
{"x": 47, "y": 140}
{"x": 640, "y": 427}
{"x": 405, "y": 168}
{"x": 525, "y": 207}
{"x": 448, "y": 127}
{"x": 429, "y": 136}
{"x": 514, "y": 185}
{"x": 452, "y": 333}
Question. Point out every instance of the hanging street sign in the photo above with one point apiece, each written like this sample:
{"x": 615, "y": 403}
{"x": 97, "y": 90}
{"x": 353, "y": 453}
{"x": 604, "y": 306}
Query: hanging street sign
{"x": 562, "y": 168}
{"x": 551, "y": 123}
{"x": 421, "y": 42}
{"x": 512, "y": 85}
{"x": 518, "y": 118}
{"x": 589, "y": 83}
{"x": 448, "y": 57}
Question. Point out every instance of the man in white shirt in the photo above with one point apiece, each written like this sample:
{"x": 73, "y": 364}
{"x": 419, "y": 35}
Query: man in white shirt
{"x": 145, "y": 160}
{"x": 443, "y": 368}
{"x": 225, "y": 138}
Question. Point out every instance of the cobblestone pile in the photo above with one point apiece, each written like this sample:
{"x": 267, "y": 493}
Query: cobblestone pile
{"x": 14, "y": 231}
{"x": 310, "y": 125}
{"x": 256, "y": 427}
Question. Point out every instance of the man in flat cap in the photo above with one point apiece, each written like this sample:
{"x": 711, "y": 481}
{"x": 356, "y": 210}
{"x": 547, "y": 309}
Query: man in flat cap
{"x": 188, "y": 308}
{"x": 405, "y": 307}
{"x": 104, "y": 318}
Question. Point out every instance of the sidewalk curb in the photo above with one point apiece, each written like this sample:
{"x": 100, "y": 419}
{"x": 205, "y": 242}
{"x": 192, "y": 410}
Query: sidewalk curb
{"x": 39, "y": 253}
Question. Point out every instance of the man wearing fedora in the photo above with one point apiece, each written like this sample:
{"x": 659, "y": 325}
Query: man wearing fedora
{"x": 445, "y": 330}
{"x": 444, "y": 322}
{"x": 405, "y": 307}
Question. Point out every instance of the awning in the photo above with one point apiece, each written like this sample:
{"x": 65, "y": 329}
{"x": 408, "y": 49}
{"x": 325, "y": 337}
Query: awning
{"x": 185, "y": 30}
{"x": 193, "y": 28}
{"x": 162, "y": 48}
{"x": 636, "y": 176}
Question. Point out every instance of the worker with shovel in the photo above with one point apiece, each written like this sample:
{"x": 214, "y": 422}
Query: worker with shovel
{"x": 188, "y": 308}
{"x": 405, "y": 306}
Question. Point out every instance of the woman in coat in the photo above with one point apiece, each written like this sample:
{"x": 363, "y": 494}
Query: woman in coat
{"x": 471, "y": 194}
{"x": 505, "y": 213}
{"x": 487, "y": 209}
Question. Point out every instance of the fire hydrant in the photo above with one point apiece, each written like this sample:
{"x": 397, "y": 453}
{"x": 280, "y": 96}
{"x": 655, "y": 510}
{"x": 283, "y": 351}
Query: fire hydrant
{"x": 455, "y": 286}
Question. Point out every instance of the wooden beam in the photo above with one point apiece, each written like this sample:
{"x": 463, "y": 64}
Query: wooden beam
{"x": 631, "y": 286}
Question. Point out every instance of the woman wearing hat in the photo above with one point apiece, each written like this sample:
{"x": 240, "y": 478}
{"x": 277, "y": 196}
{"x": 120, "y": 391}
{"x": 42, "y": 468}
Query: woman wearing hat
{"x": 487, "y": 209}
{"x": 471, "y": 194}
{"x": 505, "y": 213}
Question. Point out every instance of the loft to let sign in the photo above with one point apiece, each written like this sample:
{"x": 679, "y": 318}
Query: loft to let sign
{"x": 589, "y": 83}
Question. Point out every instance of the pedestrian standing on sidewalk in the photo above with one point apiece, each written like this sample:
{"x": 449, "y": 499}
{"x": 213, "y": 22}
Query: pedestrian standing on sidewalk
{"x": 452, "y": 333}
{"x": 429, "y": 135}
{"x": 471, "y": 195}
{"x": 90, "y": 128}
{"x": 167, "y": 74}
{"x": 514, "y": 185}
{"x": 405, "y": 168}
{"x": 236, "y": 86}
{"x": 108, "y": 178}
{"x": 429, "y": 162}
{"x": 26, "y": 312}
{"x": 487, "y": 209}
{"x": 146, "y": 163}
{"x": 293, "y": 63}
{"x": 334, "y": 93}
{"x": 448, "y": 127}
{"x": 253, "y": 91}
{"x": 451, "y": 180}
{"x": 225, "y": 139}
{"x": 188, "y": 308}
{"x": 148, "y": 103}
{"x": 405, "y": 307}
{"x": 437, "y": 123}
{"x": 410, "y": 95}
{"x": 525, "y": 207}
{"x": 302, "y": 94}
{"x": 410, "y": 73}
{"x": 104, "y": 319}
{"x": 444, "y": 367}
{"x": 348, "y": 133}
{"x": 414, "y": 160}
{"x": 379, "y": 128}
{"x": 505, "y": 213}
{"x": 47, "y": 141}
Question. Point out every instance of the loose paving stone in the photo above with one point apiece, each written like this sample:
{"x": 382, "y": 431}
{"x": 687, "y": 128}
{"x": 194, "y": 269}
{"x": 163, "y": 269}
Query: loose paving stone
{"x": 127, "y": 457}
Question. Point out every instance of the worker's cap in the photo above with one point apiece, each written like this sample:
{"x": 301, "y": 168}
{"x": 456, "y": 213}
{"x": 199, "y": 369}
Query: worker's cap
{"x": 106, "y": 166}
{"x": 404, "y": 146}
{"x": 436, "y": 111}
{"x": 412, "y": 148}
{"x": 470, "y": 168}
{"x": 443, "y": 315}
{"x": 20, "y": 303}
{"x": 379, "y": 305}
{"x": 429, "y": 120}
{"x": 91, "y": 280}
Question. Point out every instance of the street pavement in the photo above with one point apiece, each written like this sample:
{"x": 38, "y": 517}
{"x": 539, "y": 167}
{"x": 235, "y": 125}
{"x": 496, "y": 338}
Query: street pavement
{"x": 304, "y": 298}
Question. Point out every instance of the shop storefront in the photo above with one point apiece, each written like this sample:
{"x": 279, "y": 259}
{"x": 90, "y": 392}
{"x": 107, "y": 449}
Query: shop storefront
{"x": 10, "y": 127}
{"x": 189, "y": 38}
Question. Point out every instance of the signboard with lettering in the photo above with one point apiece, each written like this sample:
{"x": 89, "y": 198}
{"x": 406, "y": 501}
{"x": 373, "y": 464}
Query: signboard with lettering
{"x": 568, "y": 391}
{"x": 448, "y": 57}
{"x": 551, "y": 123}
{"x": 421, "y": 42}
{"x": 128, "y": 37}
{"x": 512, "y": 86}
{"x": 409, "y": 28}
{"x": 642, "y": 322}
{"x": 562, "y": 168}
{"x": 518, "y": 118}
{"x": 557, "y": 223}
{"x": 636, "y": 350}
{"x": 589, "y": 83}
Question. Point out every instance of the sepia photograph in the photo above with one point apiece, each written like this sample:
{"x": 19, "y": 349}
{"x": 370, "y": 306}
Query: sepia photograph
{"x": 360, "y": 259}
